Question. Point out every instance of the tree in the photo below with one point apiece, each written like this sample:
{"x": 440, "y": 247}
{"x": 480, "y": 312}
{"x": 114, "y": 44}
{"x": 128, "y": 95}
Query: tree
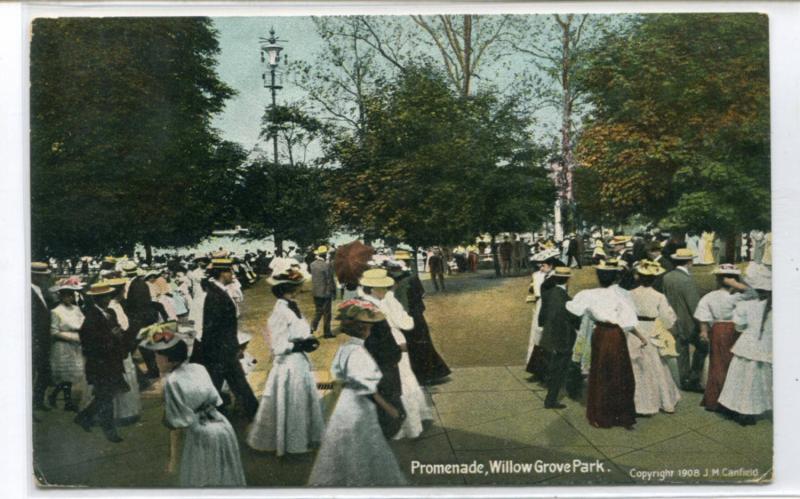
{"x": 296, "y": 129}
{"x": 122, "y": 149}
{"x": 285, "y": 201}
{"x": 437, "y": 167}
{"x": 679, "y": 129}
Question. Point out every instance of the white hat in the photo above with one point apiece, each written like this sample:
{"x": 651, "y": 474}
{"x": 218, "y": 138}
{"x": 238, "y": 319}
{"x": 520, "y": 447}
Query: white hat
{"x": 727, "y": 269}
{"x": 376, "y": 278}
{"x": 758, "y": 276}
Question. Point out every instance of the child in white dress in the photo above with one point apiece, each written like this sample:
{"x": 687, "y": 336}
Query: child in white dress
{"x": 354, "y": 451}
{"x": 66, "y": 357}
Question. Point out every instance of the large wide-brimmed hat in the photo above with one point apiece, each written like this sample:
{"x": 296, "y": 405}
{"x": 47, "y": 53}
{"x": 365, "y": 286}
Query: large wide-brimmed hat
{"x": 649, "y": 267}
{"x": 160, "y": 336}
{"x": 220, "y": 254}
{"x": 610, "y": 265}
{"x": 562, "y": 272}
{"x": 402, "y": 254}
{"x": 321, "y": 250}
{"x": 758, "y": 276}
{"x": 116, "y": 282}
{"x": 99, "y": 289}
{"x": 40, "y": 268}
{"x": 376, "y": 278}
{"x": 358, "y": 310}
{"x": 617, "y": 240}
{"x": 727, "y": 269}
{"x": 683, "y": 254}
{"x": 546, "y": 255}
{"x": 131, "y": 268}
{"x": 68, "y": 284}
{"x": 285, "y": 271}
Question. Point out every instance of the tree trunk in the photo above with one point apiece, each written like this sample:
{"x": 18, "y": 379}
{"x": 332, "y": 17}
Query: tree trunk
{"x": 495, "y": 258}
{"x": 467, "y": 55}
{"x": 148, "y": 254}
{"x": 731, "y": 239}
{"x": 278, "y": 246}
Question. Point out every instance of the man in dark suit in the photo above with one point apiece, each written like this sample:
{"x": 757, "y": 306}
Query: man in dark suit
{"x": 104, "y": 349}
{"x": 324, "y": 290}
{"x": 40, "y": 333}
{"x": 220, "y": 353}
{"x": 558, "y": 334}
{"x": 573, "y": 251}
{"x": 654, "y": 252}
{"x": 141, "y": 313}
{"x": 681, "y": 292}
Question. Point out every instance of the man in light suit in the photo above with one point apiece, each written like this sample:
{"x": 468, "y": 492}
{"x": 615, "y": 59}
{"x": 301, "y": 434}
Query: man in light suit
{"x": 324, "y": 290}
{"x": 681, "y": 292}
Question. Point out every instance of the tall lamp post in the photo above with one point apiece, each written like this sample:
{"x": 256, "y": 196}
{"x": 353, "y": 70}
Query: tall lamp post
{"x": 271, "y": 55}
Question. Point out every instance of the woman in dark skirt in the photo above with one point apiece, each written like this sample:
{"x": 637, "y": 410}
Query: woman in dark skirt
{"x": 426, "y": 362}
{"x": 611, "y": 389}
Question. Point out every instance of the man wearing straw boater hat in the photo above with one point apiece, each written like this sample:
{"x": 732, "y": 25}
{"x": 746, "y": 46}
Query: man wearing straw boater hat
{"x": 681, "y": 292}
{"x": 40, "y": 334}
{"x": 324, "y": 290}
{"x": 103, "y": 348}
{"x": 220, "y": 351}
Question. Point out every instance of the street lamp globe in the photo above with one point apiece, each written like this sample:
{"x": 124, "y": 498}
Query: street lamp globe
{"x": 272, "y": 50}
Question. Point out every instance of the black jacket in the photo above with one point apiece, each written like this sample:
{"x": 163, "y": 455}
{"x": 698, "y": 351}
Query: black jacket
{"x": 381, "y": 346}
{"x": 558, "y": 325}
{"x": 220, "y": 326}
{"x": 103, "y": 348}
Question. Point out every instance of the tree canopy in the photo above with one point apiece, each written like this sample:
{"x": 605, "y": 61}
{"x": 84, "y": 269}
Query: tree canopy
{"x": 438, "y": 167}
{"x": 679, "y": 127}
{"x": 122, "y": 149}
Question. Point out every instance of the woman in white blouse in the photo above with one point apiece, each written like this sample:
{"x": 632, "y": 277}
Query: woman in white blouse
{"x": 655, "y": 389}
{"x": 66, "y": 357}
{"x": 289, "y": 417}
{"x": 610, "y": 400}
{"x": 354, "y": 451}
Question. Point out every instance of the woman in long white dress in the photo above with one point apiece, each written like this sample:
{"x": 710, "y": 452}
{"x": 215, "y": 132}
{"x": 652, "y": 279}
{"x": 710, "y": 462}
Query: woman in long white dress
{"x": 748, "y": 386}
{"x": 354, "y": 451}
{"x": 210, "y": 454}
{"x": 415, "y": 404}
{"x": 289, "y": 417}
{"x": 66, "y": 357}
{"x": 655, "y": 388}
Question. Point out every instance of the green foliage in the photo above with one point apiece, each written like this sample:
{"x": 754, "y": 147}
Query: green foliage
{"x": 122, "y": 151}
{"x": 436, "y": 167}
{"x": 285, "y": 201}
{"x": 679, "y": 126}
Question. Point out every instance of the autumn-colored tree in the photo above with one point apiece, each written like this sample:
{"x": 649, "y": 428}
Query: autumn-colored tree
{"x": 679, "y": 127}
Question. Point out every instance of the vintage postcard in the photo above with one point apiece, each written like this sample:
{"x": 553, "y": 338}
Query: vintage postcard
{"x": 401, "y": 251}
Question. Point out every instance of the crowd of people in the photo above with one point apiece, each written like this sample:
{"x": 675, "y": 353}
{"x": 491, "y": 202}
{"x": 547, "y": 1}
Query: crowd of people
{"x": 179, "y": 317}
{"x": 644, "y": 334}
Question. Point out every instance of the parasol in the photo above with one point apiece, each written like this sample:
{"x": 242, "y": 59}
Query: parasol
{"x": 351, "y": 261}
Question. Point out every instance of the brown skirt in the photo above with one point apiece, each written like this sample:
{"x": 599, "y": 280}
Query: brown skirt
{"x": 611, "y": 383}
{"x": 723, "y": 336}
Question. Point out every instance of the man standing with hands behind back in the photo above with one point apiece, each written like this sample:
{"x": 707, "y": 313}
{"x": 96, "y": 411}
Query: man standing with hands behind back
{"x": 324, "y": 289}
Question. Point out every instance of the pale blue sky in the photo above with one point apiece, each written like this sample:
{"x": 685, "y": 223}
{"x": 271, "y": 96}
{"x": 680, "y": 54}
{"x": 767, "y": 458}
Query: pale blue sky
{"x": 240, "y": 67}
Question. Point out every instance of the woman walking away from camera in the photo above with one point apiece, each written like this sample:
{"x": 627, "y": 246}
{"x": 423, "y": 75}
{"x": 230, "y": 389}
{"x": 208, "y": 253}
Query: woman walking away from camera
{"x": 748, "y": 385}
{"x": 610, "y": 400}
{"x": 715, "y": 314}
{"x": 354, "y": 451}
{"x": 289, "y": 417}
{"x": 210, "y": 453}
{"x": 655, "y": 389}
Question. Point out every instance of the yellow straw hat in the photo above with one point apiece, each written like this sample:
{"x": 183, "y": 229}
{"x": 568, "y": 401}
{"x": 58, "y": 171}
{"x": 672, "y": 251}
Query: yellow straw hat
{"x": 611, "y": 264}
{"x": 649, "y": 267}
{"x": 682, "y": 254}
{"x": 100, "y": 288}
{"x": 321, "y": 250}
{"x": 562, "y": 272}
{"x": 376, "y": 278}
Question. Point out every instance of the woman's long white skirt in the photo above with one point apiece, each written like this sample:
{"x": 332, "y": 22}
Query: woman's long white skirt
{"x": 536, "y": 332}
{"x": 289, "y": 417}
{"x": 414, "y": 400}
{"x": 748, "y": 387}
{"x": 354, "y": 452}
{"x": 66, "y": 362}
{"x": 655, "y": 388}
{"x": 128, "y": 405}
{"x": 210, "y": 456}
